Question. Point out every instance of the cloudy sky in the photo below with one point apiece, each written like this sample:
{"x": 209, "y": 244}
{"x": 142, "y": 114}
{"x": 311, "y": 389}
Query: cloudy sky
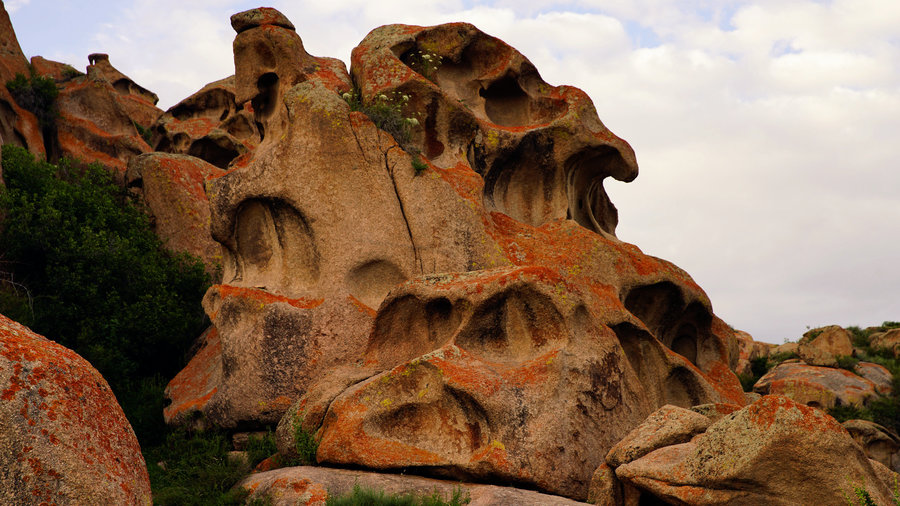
{"x": 767, "y": 132}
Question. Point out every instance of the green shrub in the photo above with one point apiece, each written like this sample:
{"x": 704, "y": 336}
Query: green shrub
{"x": 305, "y": 443}
{"x": 194, "y": 469}
{"x": 99, "y": 279}
{"x": 846, "y": 362}
{"x": 372, "y": 497}
{"x": 386, "y": 111}
{"x": 418, "y": 165}
{"x": 259, "y": 448}
{"x": 37, "y": 95}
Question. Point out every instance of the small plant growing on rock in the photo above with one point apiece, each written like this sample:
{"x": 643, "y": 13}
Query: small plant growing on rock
{"x": 419, "y": 165}
{"x": 386, "y": 111}
{"x": 305, "y": 443}
{"x": 37, "y": 95}
{"x": 424, "y": 62}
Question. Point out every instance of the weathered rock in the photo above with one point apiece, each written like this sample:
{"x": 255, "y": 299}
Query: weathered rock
{"x": 786, "y": 348}
{"x": 63, "y": 437}
{"x": 172, "y": 188}
{"x": 605, "y": 489}
{"x": 878, "y": 443}
{"x": 889, "y": 340}
{"x": 774, "y": 451}
{"x": 194, "y": 385}
{"x": 820, "y": 387}
{"x": 821, "y": 346}
{"x": 715, "y": 411}
{"x": 749, "y": 350}
{"x": 664, "y": 427}
{"x": 59, "y": 72}
{"x": 209, "y": 125}
{"x": 17, "y": 126}
{"x": 542, "y": 340}
{"x": 99, "y": 115}
{"x": 879, "y": 375}
{"x": 311, "y": 486}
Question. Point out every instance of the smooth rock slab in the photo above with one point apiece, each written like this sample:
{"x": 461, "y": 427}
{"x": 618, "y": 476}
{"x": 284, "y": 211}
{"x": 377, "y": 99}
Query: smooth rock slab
{"x": 63, "y": 436}
{"x": 820, "y": 387}
{"x": 305, "y": 485}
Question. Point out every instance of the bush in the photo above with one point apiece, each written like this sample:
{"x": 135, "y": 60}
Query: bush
{"x": 194, "y": 469}
{"x": 846, "y": 362}
{"x": 98, "y": 278}
{"x": 37, "y": 95}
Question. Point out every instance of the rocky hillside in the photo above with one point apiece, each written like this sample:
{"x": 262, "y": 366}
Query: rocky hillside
{"x": 418, "y": 273}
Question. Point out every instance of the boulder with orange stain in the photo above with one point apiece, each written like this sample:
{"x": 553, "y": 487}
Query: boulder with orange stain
{"x": 63, "y": 436}
{"x": 774, "y": 451}
{"x": 820, "y": 387}
{"x": 173, "y": 189}
{"x": 17, "y": 126}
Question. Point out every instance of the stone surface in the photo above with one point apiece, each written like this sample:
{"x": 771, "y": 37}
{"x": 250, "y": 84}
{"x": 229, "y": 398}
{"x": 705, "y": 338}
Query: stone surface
{"x": 889, "y": 340}
{"x": 194, "y": 385}
{"x": 879, "y": 375}
{"x": 666, "y": 426}
{"x": 59, "y": 72}
{"x": 209, "y": 125}
{"x": 715, "y": 411}
{"x": 63, "y": 437}
{"x": 786, "y": 348}
{"x": 172, "y": 189}
{"x": 17, "y": 126}
{"x": 878, "y": 442}
{"x": 774, "y": 451}
{"x": 310, "y": 486}
{"x": 821, "y": 346}
{"x": 98, "y": 117}
{"x": 749, "y": 350}
{"x": 543, "y": 339}
{"x": 605, "y": 489}
{"x": 820, "y": 387}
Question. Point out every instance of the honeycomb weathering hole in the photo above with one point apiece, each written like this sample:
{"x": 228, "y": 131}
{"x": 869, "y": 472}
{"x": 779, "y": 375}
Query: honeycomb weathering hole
{"x": 506, "y": 103}
{"x": 408, "y": 327}
{"x": 274, "y": 247}
{"x": 371, "y": 281}
{"x": 514, "y": 327}
{"x": 267, "y": 87}
{"x": 525, "y": 185}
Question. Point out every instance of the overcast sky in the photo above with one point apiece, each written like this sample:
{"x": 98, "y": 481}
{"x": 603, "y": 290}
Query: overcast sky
{"x": 767, "y": 132}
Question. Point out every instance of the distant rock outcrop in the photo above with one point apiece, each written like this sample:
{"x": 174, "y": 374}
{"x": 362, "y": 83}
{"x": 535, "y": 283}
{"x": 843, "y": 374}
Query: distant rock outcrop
{"x": 773, "y": 451}
{"x": 820, "y": 387}
{"x": 63, "y": 436}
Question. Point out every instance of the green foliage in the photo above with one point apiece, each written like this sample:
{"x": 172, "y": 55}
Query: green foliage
{"x": 259, "y": 448}
{"x": 305, "y": 443}
{"x": 144, "y": 132}
{"x": 386, "y": 111}
{"x": 846, "y": 362}
{"x": 370, "y": 497}
{"x": 194, "y": 469}
{"x": 37, "y": 95}
{"x": 859, "y": 336}
{"x": 99, "y": 280}
{"x": 424, "y": 63}
{"x": 419, "y": 165}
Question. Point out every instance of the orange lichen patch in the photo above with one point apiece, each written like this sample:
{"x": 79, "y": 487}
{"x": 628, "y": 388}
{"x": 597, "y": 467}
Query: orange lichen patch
{"x": 764, "y": 413}
{"x": 64, "y": 411}
{"x": 494, "y": 454}
{"x": 195, "y": 385}
{"x": 264, "y": 297}
{"x": 725, "y": 382}
{"x": 328, "y": 75}
{"x": 465, "y": 181}
{"x": 361, "y": 306}
{"x": 193, "y": 127}
{"x": 462, "y": 370}
{"x": 186, "y": 174}
{"x": 77, "y": 148}
{"x": 267, "y": 465}
{"x": 345, "y": 440}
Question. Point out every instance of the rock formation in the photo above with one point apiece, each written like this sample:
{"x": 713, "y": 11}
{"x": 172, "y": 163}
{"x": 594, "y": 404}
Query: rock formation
{"x": 820, "y": 387}
{"x": 17, "y": 126}
{"x": 773, "y": 451}
{"x": 63, "y": 436}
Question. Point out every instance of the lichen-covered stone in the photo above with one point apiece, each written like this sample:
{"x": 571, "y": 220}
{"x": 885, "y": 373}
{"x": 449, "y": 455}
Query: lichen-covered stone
{"x": 820, "y": 387}
{"x": 63, "y": 436}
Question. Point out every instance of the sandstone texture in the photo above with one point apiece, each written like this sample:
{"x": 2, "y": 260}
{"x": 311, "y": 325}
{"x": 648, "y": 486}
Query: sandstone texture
{"x": 476, "y": 318}
{"x": 774, "y": 451}
{"x": 172, "y": 187}
{"x": 310, "y": 486}
{"x": 820, "y": 387}
{"x": 888, "y": 340}
{"x": 821, "y": 346}
{"x": 63, "y": 436}
{"x": 878, "y": 443}
{"x": 209, "y": 125}
{"x": 17, "y": 126}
